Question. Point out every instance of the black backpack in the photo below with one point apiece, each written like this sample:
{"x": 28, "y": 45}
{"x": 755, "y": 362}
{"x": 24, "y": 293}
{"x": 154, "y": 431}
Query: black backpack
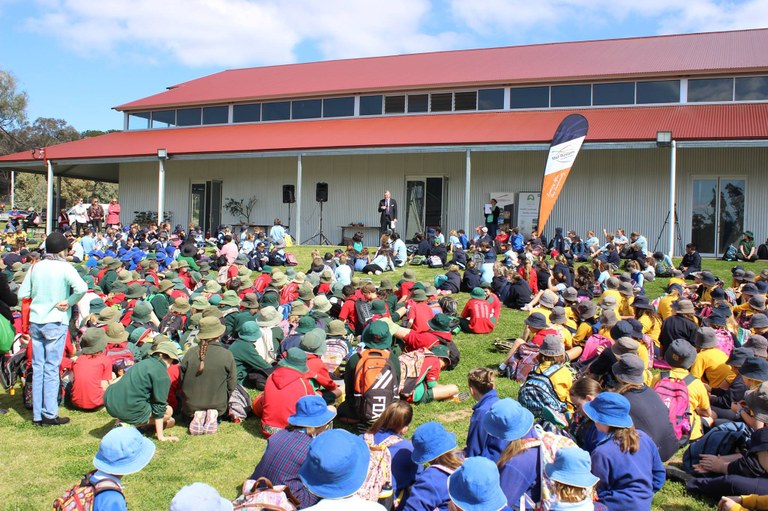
{"x": 172, "y": 324}
{"x": 363, "y": 313}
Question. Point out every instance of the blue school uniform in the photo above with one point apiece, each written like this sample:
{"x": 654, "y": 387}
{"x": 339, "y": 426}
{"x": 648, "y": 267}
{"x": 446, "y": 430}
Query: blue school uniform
{"x": 429, "y": 492}
{"x": 477, "y": 436}
{"x": 404, "y": 470}
{"x": 521, "y": 475}
{"x": 628, "y": 481}
{"x": 108, "y": 500}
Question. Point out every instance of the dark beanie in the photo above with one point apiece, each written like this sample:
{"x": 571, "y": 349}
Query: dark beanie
{"x": 55, "y": 243}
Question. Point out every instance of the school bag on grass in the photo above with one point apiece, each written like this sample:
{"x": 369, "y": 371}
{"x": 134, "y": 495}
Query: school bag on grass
{"x": 538, "y": 394}
{"x": 336, "y": 351}
{"x": 523, "y": 362}
{"x": 727, "y": 438}
{"x": 82, "y": 495}
{"x": 378, "y": 482}
{"x": 239, "y": 406}
{"x": 674, "y": 394}
{"x": 410, "y": 370}
{"x": 375, "y": 386}
{"x": 290, "y": 259}
{"x": 261, "y": 494}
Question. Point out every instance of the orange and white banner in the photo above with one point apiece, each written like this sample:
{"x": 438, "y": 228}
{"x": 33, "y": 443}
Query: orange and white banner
{"x": 562, "y": 154}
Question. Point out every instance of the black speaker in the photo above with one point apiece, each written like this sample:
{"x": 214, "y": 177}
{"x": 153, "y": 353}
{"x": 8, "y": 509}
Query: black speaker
{"x": 289, "y": 194}
{"x": 321, "y": 192}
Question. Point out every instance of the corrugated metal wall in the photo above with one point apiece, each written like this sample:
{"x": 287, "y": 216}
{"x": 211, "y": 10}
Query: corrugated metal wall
{"x": 607, "y": 188}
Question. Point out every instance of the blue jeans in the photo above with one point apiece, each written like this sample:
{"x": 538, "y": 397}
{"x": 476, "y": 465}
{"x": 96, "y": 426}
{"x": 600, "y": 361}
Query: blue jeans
{"x": 48, "y": 342}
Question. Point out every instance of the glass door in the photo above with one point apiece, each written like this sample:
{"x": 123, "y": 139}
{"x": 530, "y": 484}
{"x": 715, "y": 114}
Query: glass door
{"x": 197, "y": 215}
{"x": 205, "y": 209}
{"x": 718, "y": 213}
{"x": 424, "y": 204}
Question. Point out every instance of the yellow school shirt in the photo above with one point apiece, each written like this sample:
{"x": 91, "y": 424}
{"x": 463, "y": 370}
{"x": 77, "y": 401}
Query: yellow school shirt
{"x": 610, "y": 292}
{"x": 571, "y": 315}
{"x": 543, "y": 311}
{"x": 676, "y": 280}
{"x": 651, "y": 328}
{"x": 712, "y": 368}
{"x": 565, "y": 334}
{"x": 745, "y": 308}
{"x": 562, "y": 381}
{"x": 624, "y": 306}
{"x": 582, "y": 334}
{"x": 665, "y": 305}
{"x": 697, "y": 397}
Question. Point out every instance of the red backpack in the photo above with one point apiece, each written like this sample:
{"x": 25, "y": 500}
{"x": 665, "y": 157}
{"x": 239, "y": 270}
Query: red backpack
{"x": 375, "y": 383}
{"x": 674, "y": 394}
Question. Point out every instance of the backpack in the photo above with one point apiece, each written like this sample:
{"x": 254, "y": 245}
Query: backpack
{"x": 261, "y": 494}
{"x": 724, "y": 340}
{"x": 538, "y": 393}
{"x": 378, "y": 482}
{"x": 410, "y": 371}
{"x": 674, "y": 394}
{"x": 727, "y": 438}
{"x": 81, "y": 496}
{"x": 762, "y": 251}
{"x": 454, "y": 355}
{"x": 523, "y": 362}
{"x": 239, "y": 404}
{"x": 730, "y": 253}
{"x": 290, "y": 259}
{"x": 336, "y": 351}
{"x": 172, "y": 324}
{"x": 593, "y": 347}
{"x": 375, "y": 386}
{"x": 363, "y": 314}
{"x": 449, "y": 305}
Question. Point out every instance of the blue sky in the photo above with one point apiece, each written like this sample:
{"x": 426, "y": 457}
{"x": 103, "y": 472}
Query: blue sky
{"x": 77, "y": 59}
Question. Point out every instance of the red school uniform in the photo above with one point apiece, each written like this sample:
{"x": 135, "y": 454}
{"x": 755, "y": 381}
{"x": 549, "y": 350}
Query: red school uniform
{"x": 415, "y": 340}
{"x": 261, "y": 282}
{"x": 318, "y": 372}
{"x": 420, "y": 313}
{"x": 348, "y": 313}
{"x": 478, "y": 311}
{"x": 89, "y": 371}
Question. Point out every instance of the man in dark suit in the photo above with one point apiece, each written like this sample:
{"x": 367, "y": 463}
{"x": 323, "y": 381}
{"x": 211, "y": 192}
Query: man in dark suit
{"x": 388, "y": 210}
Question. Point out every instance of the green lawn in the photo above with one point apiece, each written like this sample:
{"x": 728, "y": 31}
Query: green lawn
{"x": 41, "y": 463}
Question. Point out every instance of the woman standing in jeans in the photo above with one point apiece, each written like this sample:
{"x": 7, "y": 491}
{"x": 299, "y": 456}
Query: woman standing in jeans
{"x": 54, "y": 287}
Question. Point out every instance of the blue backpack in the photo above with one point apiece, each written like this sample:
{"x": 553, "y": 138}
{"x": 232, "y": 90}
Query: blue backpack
{"x": 727, "y": 438}
{"x": 538, "y": 393}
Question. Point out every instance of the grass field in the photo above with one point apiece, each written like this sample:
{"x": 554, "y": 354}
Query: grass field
{"x": 40, "y": 463}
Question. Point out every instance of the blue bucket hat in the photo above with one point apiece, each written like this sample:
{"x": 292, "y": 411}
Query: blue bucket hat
{"x": 123, "y": 451}
{"x": 431, "y": 440}
{"x": 336, "y": 464}
{"x": 508, "y": 420}
{"x": 311, "y": 412}
{"x": 199, "y": 496}
{"x": 475, "y": 486}
{"x": 572, "y": 466}
{"x": 609, "y": 408}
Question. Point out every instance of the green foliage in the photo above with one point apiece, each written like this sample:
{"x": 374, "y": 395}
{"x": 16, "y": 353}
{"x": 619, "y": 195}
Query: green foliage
{"x": 42, "y": 463}
{"x": 13, "y": 103}
{"x": 240, "y": 208}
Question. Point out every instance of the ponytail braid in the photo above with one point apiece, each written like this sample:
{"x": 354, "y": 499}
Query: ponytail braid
{"x": 203, "y": 344}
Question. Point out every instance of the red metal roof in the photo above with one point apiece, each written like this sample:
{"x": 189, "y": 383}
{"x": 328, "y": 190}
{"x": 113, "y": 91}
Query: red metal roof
{"x": 691, "y": 54}
{"x": 718, "y": 122}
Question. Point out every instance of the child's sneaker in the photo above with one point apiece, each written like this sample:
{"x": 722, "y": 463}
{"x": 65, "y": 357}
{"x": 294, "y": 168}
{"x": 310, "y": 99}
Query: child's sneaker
{"x": 197, "y": 426}
{"x": 211, "y": 422}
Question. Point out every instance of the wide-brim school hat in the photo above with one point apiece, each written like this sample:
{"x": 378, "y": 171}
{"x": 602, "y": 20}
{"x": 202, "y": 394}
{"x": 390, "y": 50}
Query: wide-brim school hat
{"x": 757, "y": 401}
{"x": 739, "y": 355}
{"x": 755, "y": 368}
{"x": 629, "y": 369}
{"x": 249, "y": 331}
{"x": 536, "y": 320}
{"x": 573, "y": 467}
{"x": 683, "y": 306}
{"x": 759, "y": 345}
{"x": 311, "y": 412}
{"x": 475, "y": 486}
{"x": 321, "y": 304}
{"x": 440, "y": 323}
{"x": 230, "y": 299}
{"x": 337, "y": 328}
{"x": 123, "y": 451}
{"x": 377, "y": 336}
{"x": 180, "y": 305}
{"x": 508, "y": 420}
{"x": 211, "y": 328}
{"x": 94, "y": 341}
{"x": 758, "y": 321}
{"x": 268, "y": 317}
{"x": 680, "y": 353}
{"x": 314, "y": 342}
{"x": 336, "y": 464}
{"x": 706, "y": 337}
{"x": 296, "y": 359}
{"x": 609, "y": 408}
{"x": 430, "y": 441}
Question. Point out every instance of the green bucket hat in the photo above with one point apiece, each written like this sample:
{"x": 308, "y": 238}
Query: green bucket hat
{"x": 116, "y": 333}
{"x": 210, "y": 328}
{"x": 378, "y": 307}
{"x": 249, "y": 331}
{"x": 418, "y": 295}
{"x": 94, "y": 341}
{"x": 268, "y": 317}
{"x": 142, "y": 312}
{"x": 440, "y": 323}
{"x": 270, "y": 300}
{"x": 295, "y": 359}
{"x": 97, "y": 305}
{"x": 165, "y": 347}
{"x": 135, "y": 291}
{"x": 477, "y": 293}
{"x": 377, "y": 336}
{"x": 321, "y": 304}
{"x": 250, "y": 301}
{"x": 230, "y": 299}
{"x": 314, "y": 342}
{"x": 305, "y": 325}
{"x": 200, "y": 303}
{"x": 108, "y": 315}
{"x": 212, "y": 287}
{"x": 241, "y": 259}
{"x": 299, "y": 309}
{"x": 305, "y": 292}
{"x": 337, "y": 328}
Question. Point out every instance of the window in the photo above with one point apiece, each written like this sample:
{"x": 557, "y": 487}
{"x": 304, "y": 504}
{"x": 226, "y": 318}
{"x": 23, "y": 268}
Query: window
{"x": 138, "y": 121}
{"x": 571, "y": 95}
{"x": 188, "y": 116}
{"x": 370, "y": 105}
{"x": 164, "y": 119}
{"x": 246, "y": 113}
{"x": 667, "y": 91}
{"x": 278, "y": 111}
{"x": 751, "y": 88}
{"x": 216, "y": 115}
{"x": 489, "y": 99}
{"x": 339, "y": 107}
{"x": 465, "y": 100}
{"x": 307, "y": 109}
{"x": 418, "y": 103}
{"x": 394, "y": 104}
{"x": 710, "y": 89}
{"x": 442, "y": 102}
{"x": 622, "y": 93}
{"x": 529, "y": 97}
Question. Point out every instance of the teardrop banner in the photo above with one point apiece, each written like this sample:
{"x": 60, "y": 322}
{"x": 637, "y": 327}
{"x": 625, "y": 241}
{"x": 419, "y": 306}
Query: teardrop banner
{"x": 563, "y": 150}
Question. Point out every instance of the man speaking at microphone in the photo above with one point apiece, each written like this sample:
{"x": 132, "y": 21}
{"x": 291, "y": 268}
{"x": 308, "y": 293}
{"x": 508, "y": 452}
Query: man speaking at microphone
{"x": 388, "y": 210}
